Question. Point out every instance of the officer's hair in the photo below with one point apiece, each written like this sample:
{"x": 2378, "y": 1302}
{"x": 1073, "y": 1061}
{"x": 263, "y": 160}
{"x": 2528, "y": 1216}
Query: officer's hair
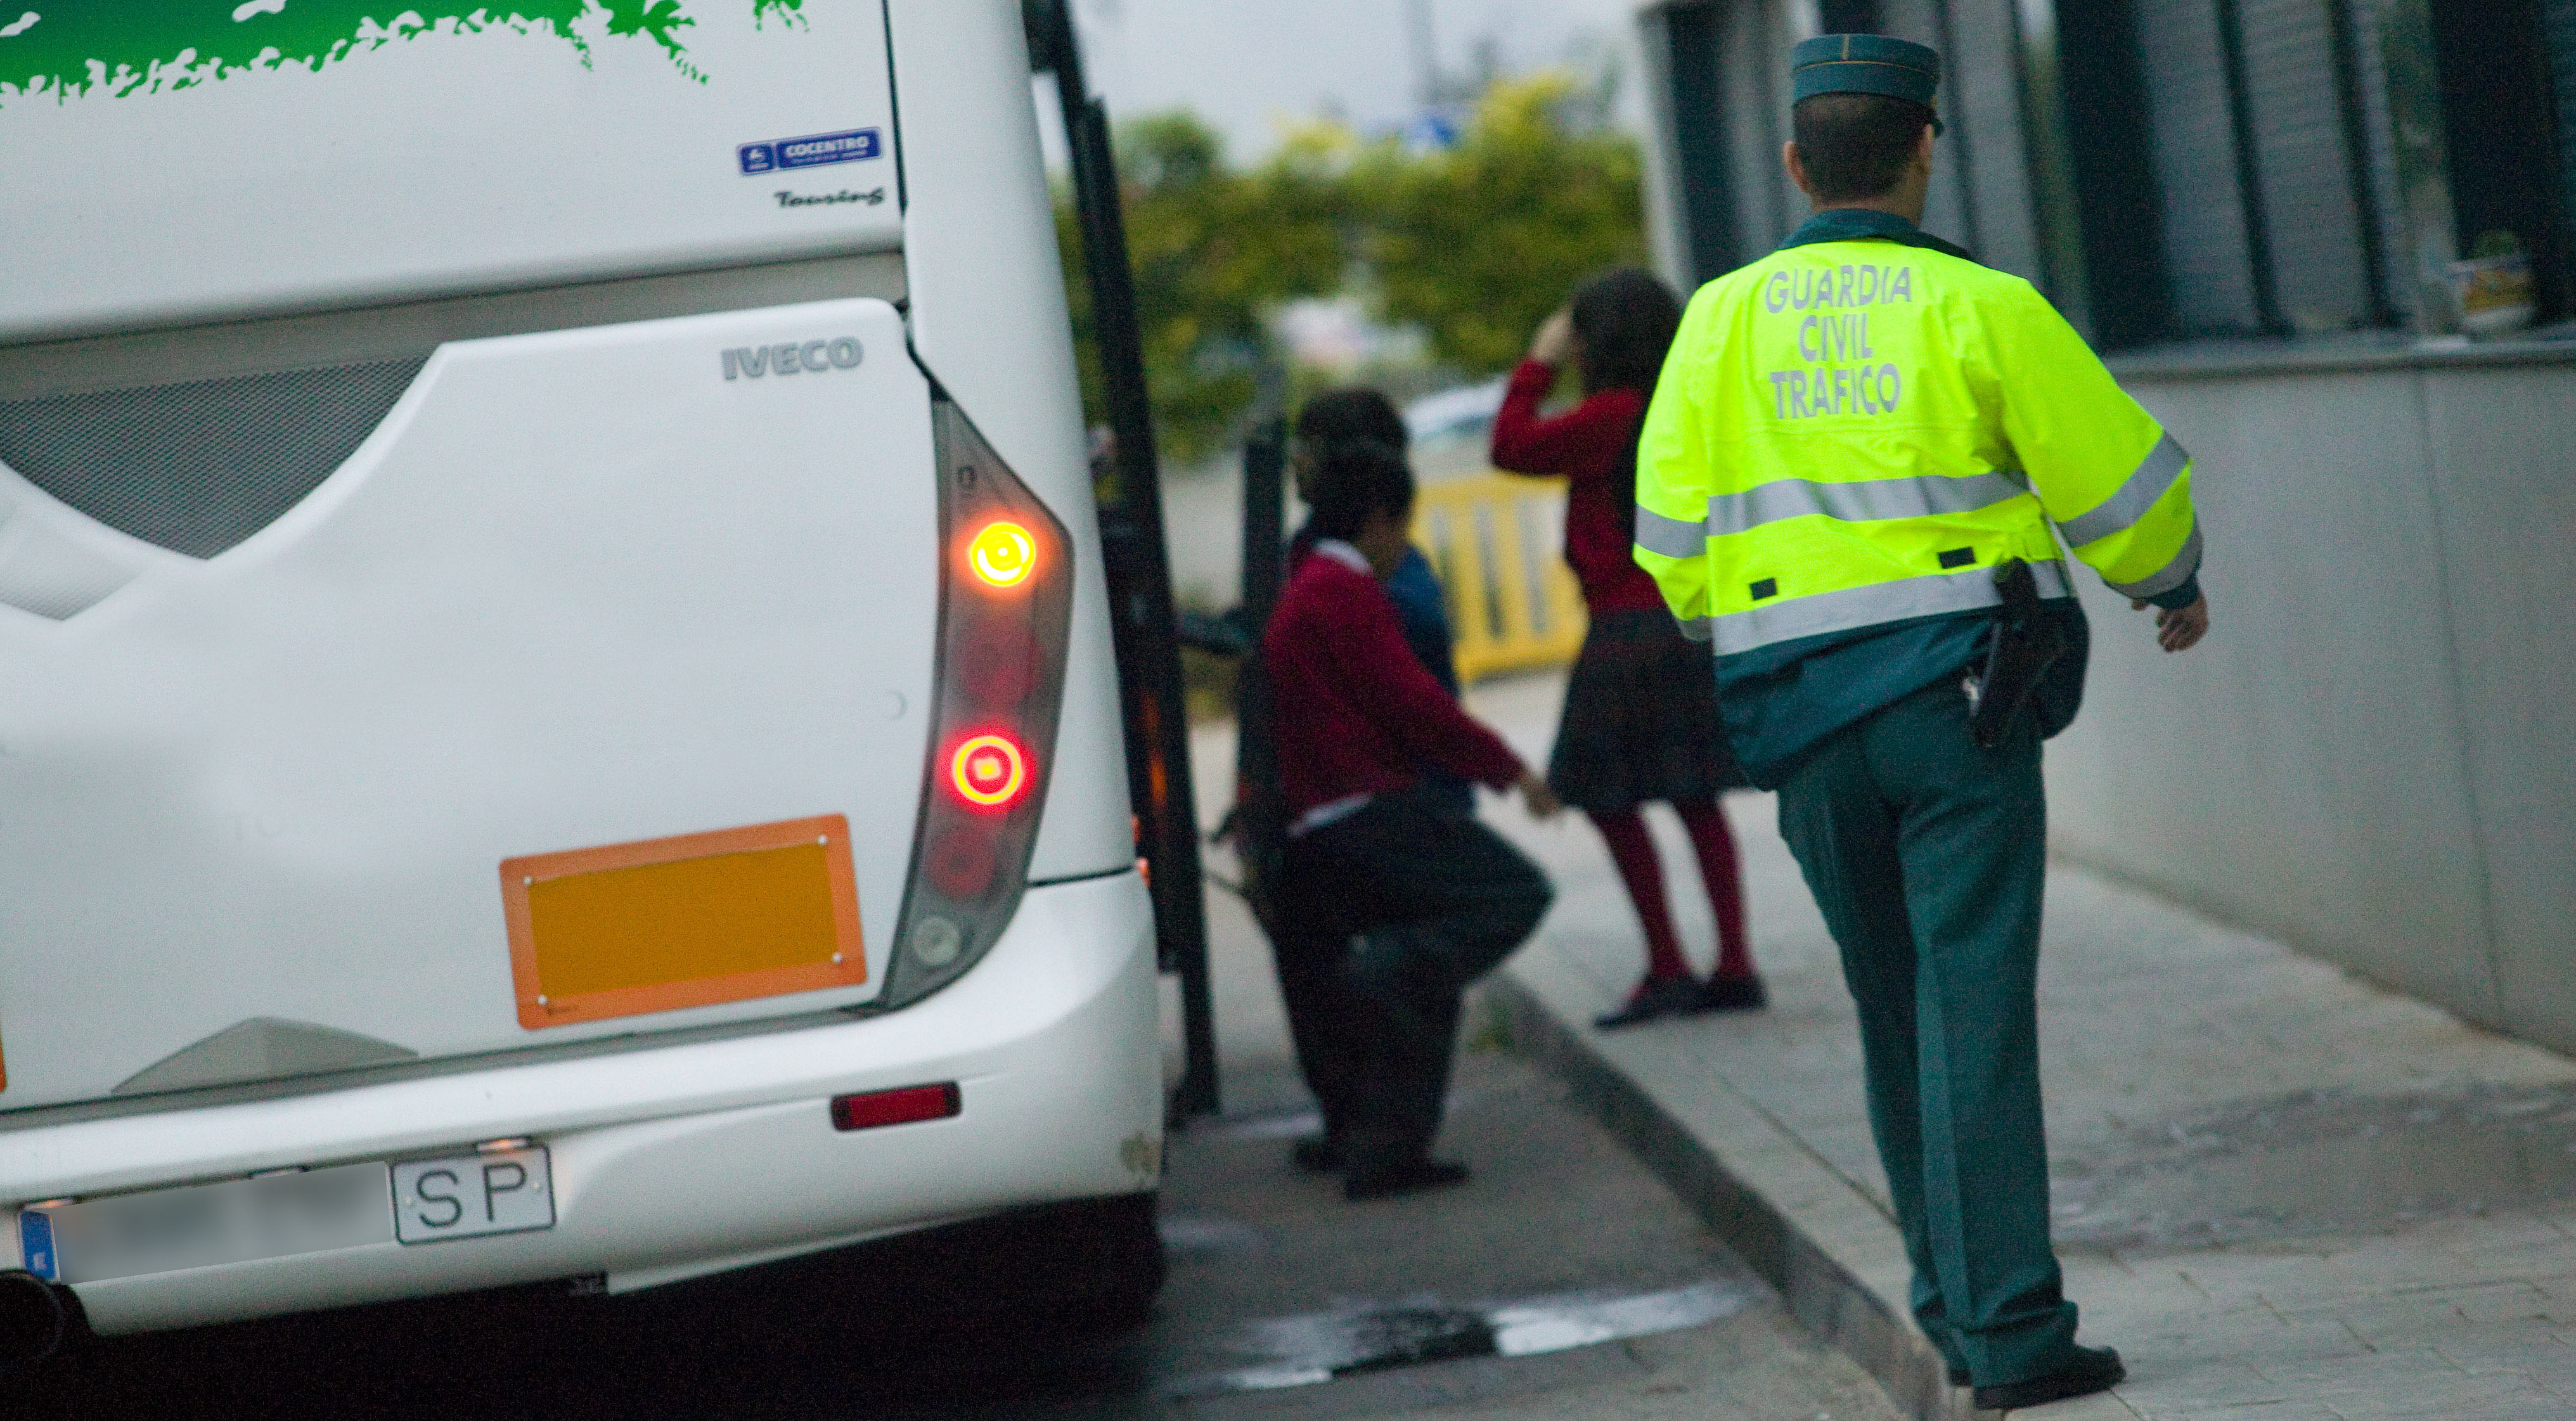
{"x": 1855, "y": 146}
{"x": 1354, "y": 479}
{"x": 1351, "y": 413}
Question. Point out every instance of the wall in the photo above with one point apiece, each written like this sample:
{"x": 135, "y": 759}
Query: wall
{"x": 1718, "y": 72}
{"x": 2371, "y": 755}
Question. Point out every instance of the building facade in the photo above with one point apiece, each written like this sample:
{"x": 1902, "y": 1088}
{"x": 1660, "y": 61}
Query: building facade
{"x": 2283, "y": 221}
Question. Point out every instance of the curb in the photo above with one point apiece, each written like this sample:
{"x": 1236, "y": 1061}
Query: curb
{"x": 1835, "y": 1257}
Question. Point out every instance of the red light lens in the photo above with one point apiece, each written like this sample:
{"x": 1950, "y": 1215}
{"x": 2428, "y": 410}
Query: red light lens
{"x": 1000, "y": 665}
{"x": 989, "y": 771}
{"x": 896, "y": 1107}
{"x": 961, "y": 861}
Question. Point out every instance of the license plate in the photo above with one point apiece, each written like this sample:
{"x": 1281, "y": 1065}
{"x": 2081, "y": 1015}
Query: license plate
{"x": 466, "y": 1196}
{"x": 237, "y": 1221}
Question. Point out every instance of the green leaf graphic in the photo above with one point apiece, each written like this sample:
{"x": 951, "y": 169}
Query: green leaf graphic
{"x": 63, "y": 48}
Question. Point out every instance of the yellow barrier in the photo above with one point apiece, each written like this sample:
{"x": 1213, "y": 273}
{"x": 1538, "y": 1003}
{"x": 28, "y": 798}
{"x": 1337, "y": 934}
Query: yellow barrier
{"x": 1493, "y": 540}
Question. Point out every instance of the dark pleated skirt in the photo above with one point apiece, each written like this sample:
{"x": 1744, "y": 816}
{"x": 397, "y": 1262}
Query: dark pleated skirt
{"x": 1640, "y": 720}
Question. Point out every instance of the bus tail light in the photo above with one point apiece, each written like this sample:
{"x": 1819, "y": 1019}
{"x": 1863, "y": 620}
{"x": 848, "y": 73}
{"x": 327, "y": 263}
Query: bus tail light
{"x": 989, "y": 771}
{"x": 1005, "y": 609}
{"x": 1002, "y": 553}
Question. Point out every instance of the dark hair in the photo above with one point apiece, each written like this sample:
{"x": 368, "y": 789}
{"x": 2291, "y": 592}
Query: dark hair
{"x": 1626, "y": 319}
{"x": 1352, "y": 413}
{"x": 1355, "y": 478}
{"x": 1855, "y": 146}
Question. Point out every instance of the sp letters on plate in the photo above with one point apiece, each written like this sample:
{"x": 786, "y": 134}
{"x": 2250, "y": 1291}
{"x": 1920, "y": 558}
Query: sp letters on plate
{"x": 488, "y": 1192}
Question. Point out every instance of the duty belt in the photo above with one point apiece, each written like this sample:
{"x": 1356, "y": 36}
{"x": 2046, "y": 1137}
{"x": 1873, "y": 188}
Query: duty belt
{"x": 2023, "y": 644}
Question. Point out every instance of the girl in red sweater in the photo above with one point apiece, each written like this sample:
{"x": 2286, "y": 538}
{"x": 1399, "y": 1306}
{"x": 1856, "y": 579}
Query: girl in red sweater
{"x": 1640, "y": 720}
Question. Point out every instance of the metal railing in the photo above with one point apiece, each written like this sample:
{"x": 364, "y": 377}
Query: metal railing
{"x": 1493, "y": 540}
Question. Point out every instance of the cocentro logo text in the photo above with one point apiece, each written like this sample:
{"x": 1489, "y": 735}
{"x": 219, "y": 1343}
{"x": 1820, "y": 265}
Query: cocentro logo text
{"x": 790, "y": 357}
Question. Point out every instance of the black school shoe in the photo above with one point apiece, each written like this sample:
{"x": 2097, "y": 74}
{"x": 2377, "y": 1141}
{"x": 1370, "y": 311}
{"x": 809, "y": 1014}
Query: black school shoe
{"x": 2092, "y": 1369}
{"x": 1408, "y": 1177}
{"x": 1654, "y": 997}
{"x": 1733, "y": 994}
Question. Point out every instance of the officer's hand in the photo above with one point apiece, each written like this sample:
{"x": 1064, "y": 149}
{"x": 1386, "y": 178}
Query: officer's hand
{"x": 1535, "y": 794}
{"x": 2180, "y": 630}
{"x": 1554, "y": 343}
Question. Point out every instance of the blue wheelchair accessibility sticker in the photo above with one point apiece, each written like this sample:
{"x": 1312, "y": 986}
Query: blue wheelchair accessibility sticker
{"x": 811, "y": 151}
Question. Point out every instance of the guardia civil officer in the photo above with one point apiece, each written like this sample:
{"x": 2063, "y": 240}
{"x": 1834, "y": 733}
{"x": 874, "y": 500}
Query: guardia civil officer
{"x": 1853, "y": 476}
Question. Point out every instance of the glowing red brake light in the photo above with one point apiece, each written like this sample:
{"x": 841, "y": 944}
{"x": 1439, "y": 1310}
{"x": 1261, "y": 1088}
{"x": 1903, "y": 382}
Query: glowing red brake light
{"x": 896, "y": 1107}
{"x": 989, "y": 771}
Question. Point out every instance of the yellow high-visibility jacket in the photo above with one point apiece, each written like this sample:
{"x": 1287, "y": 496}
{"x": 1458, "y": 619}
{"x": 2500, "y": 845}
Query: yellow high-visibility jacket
{"x": 1848, "y": 436}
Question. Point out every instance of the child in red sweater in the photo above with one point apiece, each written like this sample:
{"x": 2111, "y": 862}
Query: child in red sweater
{"x": 1435, "y": 898}
{"x": 1640, "y": 721}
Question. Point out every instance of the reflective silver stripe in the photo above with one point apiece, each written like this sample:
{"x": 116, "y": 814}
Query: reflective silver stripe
{"x": 2122, "y": 510}
{"x": 2171, "y": 575}
{"x": 1961, "y": 591}
{"x": 1697, "y": 628}
{"x": 1670, "y": 536}
{"x": 1864, "y": 502}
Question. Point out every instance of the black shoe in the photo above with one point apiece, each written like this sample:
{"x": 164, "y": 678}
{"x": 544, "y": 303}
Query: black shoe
{"x": 2092, "y": 1369}
{"x": 1317, "y": 1154}
{"x": 1405, "y": 1178}
{"x": 1654, "y": 997}
{"x": 1732, "y": 994}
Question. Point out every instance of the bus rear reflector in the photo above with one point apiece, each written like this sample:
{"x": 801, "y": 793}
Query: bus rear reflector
{"x": 905, "y": 1106}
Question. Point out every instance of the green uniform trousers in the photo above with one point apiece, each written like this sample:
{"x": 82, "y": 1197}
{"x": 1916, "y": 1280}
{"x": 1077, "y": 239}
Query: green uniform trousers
{"x": 1928, "y": 857}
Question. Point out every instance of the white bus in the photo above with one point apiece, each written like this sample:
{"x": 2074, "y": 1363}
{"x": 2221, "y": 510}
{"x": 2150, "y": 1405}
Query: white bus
{"x": 557, "y": 715}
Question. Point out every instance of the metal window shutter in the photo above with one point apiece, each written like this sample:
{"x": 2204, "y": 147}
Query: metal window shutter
{"x": 1753, "y": 57}
{"x": 2194, "y": 147}
{"x": 1704, "y": 185}
{"x": 2314, "y": 222}
{"x": 2404, "y": 286}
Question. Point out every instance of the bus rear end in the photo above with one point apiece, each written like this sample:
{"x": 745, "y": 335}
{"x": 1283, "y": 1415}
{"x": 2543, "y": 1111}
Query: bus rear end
{"x": 556, "y": 709}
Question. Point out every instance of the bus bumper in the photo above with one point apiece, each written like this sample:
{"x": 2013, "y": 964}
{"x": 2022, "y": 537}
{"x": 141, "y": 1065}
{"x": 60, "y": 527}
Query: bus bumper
{"x": 675, "y": 1161}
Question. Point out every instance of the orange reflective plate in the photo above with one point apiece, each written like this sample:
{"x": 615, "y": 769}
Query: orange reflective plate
{"x": 694, "y": 920}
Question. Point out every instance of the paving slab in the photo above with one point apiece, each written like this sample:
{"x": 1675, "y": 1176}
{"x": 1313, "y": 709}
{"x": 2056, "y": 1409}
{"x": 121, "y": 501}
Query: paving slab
{"x": 2284, "y": 1192}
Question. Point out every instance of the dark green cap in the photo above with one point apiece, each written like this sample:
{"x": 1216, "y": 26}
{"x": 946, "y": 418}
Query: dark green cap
{"x": 1865, "y": 64}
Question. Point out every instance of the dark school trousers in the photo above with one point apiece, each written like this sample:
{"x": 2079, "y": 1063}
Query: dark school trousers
{"x": 1319, "y": 1009}
{"x": 1928, "y": 857}
{"x": 1434, "y": 900}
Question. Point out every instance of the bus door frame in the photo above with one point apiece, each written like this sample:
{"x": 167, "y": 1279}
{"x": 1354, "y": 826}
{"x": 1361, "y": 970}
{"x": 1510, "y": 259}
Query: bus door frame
{"x": 1143, "y": 628}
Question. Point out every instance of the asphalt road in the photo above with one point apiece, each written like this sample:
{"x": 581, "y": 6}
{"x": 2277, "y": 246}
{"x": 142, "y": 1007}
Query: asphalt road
{"x": 1561, "y": 1281}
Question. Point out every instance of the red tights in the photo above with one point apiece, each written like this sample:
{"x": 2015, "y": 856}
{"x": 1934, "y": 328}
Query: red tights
{"x": 1634, "y": 852}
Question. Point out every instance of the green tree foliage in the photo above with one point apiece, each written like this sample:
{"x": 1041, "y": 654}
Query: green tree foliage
{"x": 1214, "y": 253}
{"x": 1475, "y": 244}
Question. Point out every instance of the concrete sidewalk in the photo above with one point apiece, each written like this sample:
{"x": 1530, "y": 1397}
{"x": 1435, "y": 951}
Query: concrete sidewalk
{"x": 2281, "y": 1192}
